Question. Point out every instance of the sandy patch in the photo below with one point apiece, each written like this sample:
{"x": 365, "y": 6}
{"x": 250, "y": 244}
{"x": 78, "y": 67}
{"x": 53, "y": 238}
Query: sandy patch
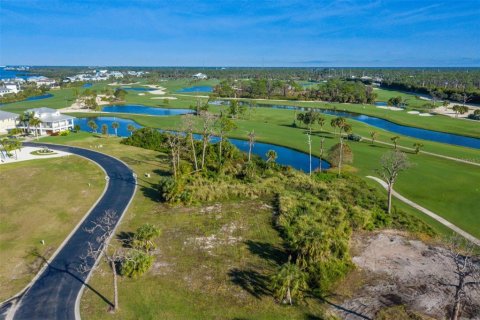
{"x": 406, "y": 272}
{"x": 141, "y": 94}
{"x": 425, "y": 114}
{"x": 448, "y": 111}
{"x": 390, "y": 108}
{"x": 78, "y": 105}
{"x": 122, "y": 84}
{"x": 24, "y": 155}
{"x": 161, "y": 98}
{"x": 413, "y": 112}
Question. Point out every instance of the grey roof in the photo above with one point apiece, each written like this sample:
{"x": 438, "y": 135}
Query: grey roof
{"x": 4, "y": 115}
{"x": 42, "y": 110}
{"x": 56, "y": 118}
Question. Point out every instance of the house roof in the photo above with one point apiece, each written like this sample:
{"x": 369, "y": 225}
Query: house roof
{"x": 4, "y": 115}
{"x": 42, "y": 110}
{"x": 50, "y": 115}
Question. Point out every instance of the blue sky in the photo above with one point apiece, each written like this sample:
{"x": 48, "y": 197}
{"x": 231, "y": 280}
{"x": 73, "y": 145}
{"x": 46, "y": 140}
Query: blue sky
{"x": 240, "y": 33}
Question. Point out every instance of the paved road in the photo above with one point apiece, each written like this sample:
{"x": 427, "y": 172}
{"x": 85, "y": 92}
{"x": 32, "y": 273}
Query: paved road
{"x": 53, "y": 294}
{"x": 429, "y": 213}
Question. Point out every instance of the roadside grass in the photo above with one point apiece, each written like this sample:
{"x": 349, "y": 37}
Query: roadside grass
{"x": 41, "y": 200}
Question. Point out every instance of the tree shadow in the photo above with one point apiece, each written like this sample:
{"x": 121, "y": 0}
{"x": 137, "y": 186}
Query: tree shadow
{"x": 251, "y": 281}
{"x": 51, "y": 268}
{"x": 348, "y": 311}
{"x": 125, "y": 238}
{"x": 267, "y": 252}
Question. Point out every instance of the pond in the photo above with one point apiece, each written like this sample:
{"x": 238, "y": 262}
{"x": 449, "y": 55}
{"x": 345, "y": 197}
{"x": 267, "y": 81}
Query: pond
{"x": 43, "y": 96}
{"x": 87, "y": 85}
{"x": 413, "y": 132}
{"x": 286, "y": 156}
{"x": 196, "y": 89}
{"x": 141, "y": 109}
{"x": 381, "y": 104}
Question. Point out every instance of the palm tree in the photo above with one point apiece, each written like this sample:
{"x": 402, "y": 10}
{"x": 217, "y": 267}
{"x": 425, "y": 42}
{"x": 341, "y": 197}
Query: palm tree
{"x": 35, "y": 122}
{"x": 321, "y": 122}
{"x": 417, "y": 146}
{"x": 131, "y": 128}
{"x": 374, "y": 135}
{"x": 115, "y": 126}
{"x": 92, "y": 125}
{"x": 251, "y": 141}
{"x": 289, "y": 282}
{"x": 271, "y": 156}
{"x": 104, "y": 129}
{"x": 342, "y": 125}
{"x": 225, "y": 125}
{"x": 395, "y": 140}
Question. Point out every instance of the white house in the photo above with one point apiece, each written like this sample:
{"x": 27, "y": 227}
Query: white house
{"x": 4, "y": 90}
{"x": 52, "y": 121}
{"x": 41, "y": 81}
{"x": 200, "y": 76}
{"x": 13, "y": 87}
{"x": 8, "y": 121}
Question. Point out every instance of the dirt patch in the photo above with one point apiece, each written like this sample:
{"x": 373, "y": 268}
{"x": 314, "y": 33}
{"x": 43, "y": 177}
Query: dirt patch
{"x": 403, "y": 272}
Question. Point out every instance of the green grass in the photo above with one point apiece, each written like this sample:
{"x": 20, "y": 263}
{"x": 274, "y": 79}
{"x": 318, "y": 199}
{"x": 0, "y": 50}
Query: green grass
{"x": 444, "y": 186}
{"x": 41, "y": 200}
{"x": 189, "y": 280}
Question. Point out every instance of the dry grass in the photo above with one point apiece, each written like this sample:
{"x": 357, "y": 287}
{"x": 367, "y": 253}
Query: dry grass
{"x": 41, "y": 200}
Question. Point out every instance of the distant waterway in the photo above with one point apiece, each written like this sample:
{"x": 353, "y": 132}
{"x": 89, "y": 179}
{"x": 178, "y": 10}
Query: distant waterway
{"x": 286, "y": 156}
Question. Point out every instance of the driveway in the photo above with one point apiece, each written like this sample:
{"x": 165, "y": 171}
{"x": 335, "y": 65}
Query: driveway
{"x": 53, "y": 293}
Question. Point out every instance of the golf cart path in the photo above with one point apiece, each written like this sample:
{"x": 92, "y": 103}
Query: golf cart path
{"x": 429, "y": 213}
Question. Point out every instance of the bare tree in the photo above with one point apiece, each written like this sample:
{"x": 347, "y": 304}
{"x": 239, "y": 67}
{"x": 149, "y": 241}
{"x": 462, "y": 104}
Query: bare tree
{"x": 103, "y": 228}
{"x": 251, "y": 142}
{"x": 207, "y": 131}
{"x": 391, "y": 164}
{"x": 467, "y": 273}
{"x": 174, "y": 142}
{"x": 189, "y": 126}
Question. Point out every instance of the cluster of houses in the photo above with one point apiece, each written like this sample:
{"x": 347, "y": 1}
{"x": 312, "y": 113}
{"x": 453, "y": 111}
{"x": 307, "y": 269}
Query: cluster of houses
{"x": 102, "y": 75}
{"x": 14, "y": 85}
{"x": 51, "y": 121}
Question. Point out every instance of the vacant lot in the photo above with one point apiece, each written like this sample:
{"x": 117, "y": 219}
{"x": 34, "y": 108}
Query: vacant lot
{"x": 41, "y": 200}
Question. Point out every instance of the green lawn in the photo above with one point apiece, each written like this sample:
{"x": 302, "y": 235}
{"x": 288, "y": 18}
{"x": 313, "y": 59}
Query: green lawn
{"x": 41, "y": 200}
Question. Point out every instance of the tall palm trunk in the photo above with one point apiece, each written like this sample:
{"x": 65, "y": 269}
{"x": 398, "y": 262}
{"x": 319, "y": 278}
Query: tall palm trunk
{"x": 250, "y": 151}
{"x": 204, "y": 150}
{"x": 310, "y": 150}
{"x": 341, "y": 154}
{"x": 194, "y": 152}
{"x": 220, "y": 149}
{"x": 115, "y": 287}
{"x": 321, "y": 152}
{"x": 390, "y": 191}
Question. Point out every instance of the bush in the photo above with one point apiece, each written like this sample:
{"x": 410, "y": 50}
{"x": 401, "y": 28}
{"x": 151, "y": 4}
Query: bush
{"x": 64, "y": 133}
{"x": 136, "y": 264}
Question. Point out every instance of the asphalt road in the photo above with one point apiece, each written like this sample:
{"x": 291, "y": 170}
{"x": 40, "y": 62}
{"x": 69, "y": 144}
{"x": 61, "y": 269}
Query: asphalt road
{"x": 53, "y": 294}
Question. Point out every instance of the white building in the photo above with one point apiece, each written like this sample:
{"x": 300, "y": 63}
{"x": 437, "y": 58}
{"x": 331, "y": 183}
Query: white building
{"x": 200, "y": 76}
{"x": 8, "y": 121}
{"x": 4, "y": 91}
{"x": 13, "y": 87}
{"x": 52, "y": 121}
{"x": 41, "y": 81}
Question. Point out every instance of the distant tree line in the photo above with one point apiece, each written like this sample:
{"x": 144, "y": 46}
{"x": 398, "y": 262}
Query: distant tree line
{"x": 332, "y": 90}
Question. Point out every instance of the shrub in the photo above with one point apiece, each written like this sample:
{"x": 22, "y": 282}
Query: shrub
{"x": 354, "y": 137}
{"x": 64, "y": 133}
{"x": 136, "y": 264}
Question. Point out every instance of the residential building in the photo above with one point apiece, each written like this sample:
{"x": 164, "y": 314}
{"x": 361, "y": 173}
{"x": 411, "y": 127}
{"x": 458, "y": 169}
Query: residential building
{"x": 8, "y": 121}
{"x": 52, "y": 121}
{"x": 200, "y": 76}
{"x": 4, "y": 90}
